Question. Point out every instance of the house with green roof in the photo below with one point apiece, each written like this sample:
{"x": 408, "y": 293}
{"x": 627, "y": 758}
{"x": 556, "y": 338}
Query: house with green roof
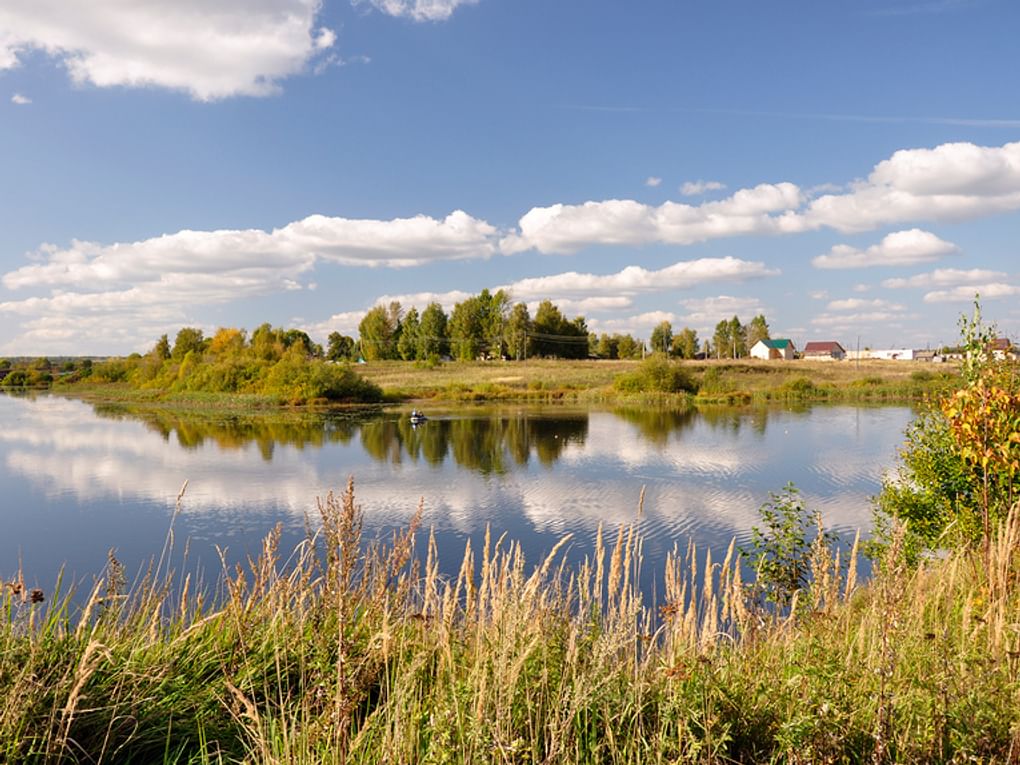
{"x": 780, "y": 348}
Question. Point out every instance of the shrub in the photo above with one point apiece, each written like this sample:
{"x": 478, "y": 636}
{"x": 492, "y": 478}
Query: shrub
{"x": 800, "y": 386}
{"x": 959, "y": 469}
{"x": 656, "y": 374}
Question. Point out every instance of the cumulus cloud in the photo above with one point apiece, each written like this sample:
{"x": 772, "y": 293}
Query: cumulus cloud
{"x": 418, "y": 10}
{"x": 845, "y": 320}
{"x": 858, "y": 304}
{"x": 561, "y": 228}
{"x": 705, "y": 313}
{"x": 639, "y": 324}
{"x": 256, "y": 257}
{"x": 163, "y": 279}
{"x": 653, "y": 181}
{"x": 699, "y": 187}
{"x": 953, "y": 181}
{"x": 965, "y": 293}
{"x": 902, "y": 248}
{"x": 210, "y": 49}
{"x": 946, "y": 277}
{"x": 634, "y": 279}
{"x": 19, "y": 99}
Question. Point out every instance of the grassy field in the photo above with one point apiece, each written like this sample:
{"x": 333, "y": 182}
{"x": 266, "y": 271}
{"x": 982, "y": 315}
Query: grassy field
{"x": 342, "y": 653}
{"x": 719, "y": 381}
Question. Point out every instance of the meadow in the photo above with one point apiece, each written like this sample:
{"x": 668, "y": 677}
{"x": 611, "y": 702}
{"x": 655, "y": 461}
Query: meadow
{"x": 714, "y": 381}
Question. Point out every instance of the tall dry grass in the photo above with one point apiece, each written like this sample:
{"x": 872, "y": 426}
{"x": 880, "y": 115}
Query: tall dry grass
{"x": 349, "y": 650}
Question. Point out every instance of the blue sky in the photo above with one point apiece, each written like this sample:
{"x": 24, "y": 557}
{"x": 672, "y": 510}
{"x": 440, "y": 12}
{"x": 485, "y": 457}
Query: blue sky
{"x": 848, "y": 169}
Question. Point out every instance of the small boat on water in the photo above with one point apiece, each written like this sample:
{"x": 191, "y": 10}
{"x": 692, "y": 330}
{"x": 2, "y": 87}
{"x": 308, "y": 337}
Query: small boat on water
{"x": 417, "y": 418}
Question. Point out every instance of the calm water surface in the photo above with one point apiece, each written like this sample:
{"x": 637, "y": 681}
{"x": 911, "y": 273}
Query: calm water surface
{"x": 76, "y": 481}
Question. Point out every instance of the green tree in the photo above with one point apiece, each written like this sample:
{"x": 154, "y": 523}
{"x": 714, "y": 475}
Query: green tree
{"x": 517, "y": 328}
{"x": 377, "y": 333}
{"x": 662, "y": 337}
{"x": 188, "y": 340}
{"x": 410, "y": 328}
{"x": 627, "y": 347}
{"x": 721, "y": 340}
{"x": 432, "y": 333}
{"x": 757, "y": 329}
{"x": 467, "y": 328}
{"x": 685, "y": 344}
{"x": 554, "y": 335}
{"x": 496, "y": 308}
{"x": 299, "y": 338}
{"x": 737, "y": 341}
{"x": 161, "y": 350}
{"x": 608, "y": 346}
{"x": 340, "y": 347}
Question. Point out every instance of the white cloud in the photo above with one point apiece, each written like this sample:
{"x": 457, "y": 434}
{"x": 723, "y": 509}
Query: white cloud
{"x": 160, "y": 281}
{"x": 418, "y": 10}
{"x": 699, "y": 187}
{"x": 560, "y": 228}
{"x": 634, "y": 279}
{"x": 638, "y": 325}
{"x": 965, "y": 293}
{"x": 653, "y": 181}
{"x": 818, "y": 294}
{"x": 705, "y": 313}
{"x": 862, "y": 288}
{"x": 857, "y": 304}
{"x": 257, "y": 256}
{"x": 902, "y": 248}
{"x": 19, "y": 99}
{"x": 585, "y": 306}
{"x": 845, "y": 320}
{"x": 210, "y": 49}
{"x": 954, "y": 181}
{"x": 345, "y": 322}
{"x": 946, "y": 277}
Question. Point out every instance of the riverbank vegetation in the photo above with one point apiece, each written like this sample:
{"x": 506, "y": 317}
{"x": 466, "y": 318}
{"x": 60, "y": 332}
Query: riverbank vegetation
{"x": 666, "y": 380}
{"x": 344, "y": 651}
{"x": 273, "y": 365}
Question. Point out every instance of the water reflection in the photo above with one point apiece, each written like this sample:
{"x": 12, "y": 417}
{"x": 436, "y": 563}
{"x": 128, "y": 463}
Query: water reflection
{"x": 78, "y": 480}
{"x": 486, "y": 441}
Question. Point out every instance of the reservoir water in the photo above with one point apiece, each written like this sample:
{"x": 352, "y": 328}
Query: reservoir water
{"x": 77, "y": 481}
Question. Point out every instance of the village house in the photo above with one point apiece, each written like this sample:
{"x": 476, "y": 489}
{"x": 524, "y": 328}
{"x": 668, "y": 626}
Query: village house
{"x": 780, "y": 348}
{"x": 824, "y": 350}
{"x": 892, "y": 354}
{"x": 1002, "y": 349}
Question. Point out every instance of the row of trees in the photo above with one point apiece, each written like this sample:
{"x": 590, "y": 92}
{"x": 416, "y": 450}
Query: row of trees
{"x": 486, "y": 325}
{"x": 731, "y": 340}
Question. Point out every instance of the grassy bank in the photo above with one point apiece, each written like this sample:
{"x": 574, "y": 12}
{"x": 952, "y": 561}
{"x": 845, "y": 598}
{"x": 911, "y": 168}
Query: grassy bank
{"x": 724, "y": 381}
{"x": 345, "y": 653}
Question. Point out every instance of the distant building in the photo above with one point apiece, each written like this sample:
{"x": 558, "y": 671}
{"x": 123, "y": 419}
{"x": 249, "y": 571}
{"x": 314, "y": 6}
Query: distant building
{"x": 1002, "y": 348}
{"x": 893, "y": 354}
{"x": 828, "y": 349}
{"x": 778, "y": 349}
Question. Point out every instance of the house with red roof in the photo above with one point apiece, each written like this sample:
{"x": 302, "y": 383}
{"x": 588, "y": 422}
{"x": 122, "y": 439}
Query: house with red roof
{"x": 825, "y": 351}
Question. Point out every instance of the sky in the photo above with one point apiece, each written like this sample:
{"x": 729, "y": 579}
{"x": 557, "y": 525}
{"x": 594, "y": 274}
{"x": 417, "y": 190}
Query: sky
{"x": 851, "y": 170}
